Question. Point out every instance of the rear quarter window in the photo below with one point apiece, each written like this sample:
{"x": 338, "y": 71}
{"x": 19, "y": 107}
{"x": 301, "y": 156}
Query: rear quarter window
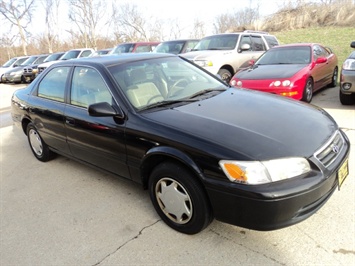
{"x": 271, "y": 40}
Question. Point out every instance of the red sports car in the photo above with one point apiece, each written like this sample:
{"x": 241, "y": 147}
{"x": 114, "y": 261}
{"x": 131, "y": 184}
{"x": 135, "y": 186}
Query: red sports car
{"x": 292, "y": 70}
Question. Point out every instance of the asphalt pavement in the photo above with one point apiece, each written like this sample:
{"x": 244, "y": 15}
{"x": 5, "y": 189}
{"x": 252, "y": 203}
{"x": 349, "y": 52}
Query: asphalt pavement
{"x": 65, "y": 213}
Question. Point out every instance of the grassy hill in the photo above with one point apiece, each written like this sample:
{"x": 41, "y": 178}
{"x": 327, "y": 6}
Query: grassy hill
{"x": 337, "y": 38}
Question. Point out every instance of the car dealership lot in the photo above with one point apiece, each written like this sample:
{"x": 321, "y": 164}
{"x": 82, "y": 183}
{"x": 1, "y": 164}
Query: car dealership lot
{"x": 63, "y": 212}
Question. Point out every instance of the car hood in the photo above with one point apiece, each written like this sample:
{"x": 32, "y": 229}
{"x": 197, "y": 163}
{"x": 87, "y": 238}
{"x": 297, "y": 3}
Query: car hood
{"x": 200, "y": 55}
{"x": 15, "y": 69}
{"x": 269, "y": 72}
{"x": 250, "y": 125}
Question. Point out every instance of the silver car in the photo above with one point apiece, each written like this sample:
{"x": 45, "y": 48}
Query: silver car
{"x": 347, "y": 80}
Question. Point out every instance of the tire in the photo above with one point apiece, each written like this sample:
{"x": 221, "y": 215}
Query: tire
{"x": 308, "y": 91}
{"x": 179, "y": 198}
{"x": 346, "y": 99}
{"x": 334, "y": 81}
{"x": 225, "y": 75}
{"x": 39, "y": 148}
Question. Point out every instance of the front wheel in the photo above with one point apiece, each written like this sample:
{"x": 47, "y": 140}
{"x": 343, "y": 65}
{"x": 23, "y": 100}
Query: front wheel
{"x": 308, "y": 91}
{"x": 179, "y": 198}
{"x": 225, "y": 75}
{"x": 346, "y": 99}
{"x": 40, "y": 149}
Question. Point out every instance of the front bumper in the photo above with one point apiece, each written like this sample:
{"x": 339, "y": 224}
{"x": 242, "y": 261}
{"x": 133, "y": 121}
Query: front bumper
{"x": 347, "y": 81}
{"x": 276, "y": 205}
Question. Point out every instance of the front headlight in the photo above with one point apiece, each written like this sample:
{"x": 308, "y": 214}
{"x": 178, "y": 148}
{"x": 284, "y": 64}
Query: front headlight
{"x": 349, "y": 64}
{"x": 262, "y": 172}
{"x": 203, "y": 63}
{"x": 278, "y": 83}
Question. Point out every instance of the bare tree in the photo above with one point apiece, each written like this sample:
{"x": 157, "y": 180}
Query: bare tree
{"x": 198, "y": 30}
{"x": 50, "y": 36}
{"x": 87, "y": 16}
{"x": 19, "y": 14}
{"x": 129, "y": 23}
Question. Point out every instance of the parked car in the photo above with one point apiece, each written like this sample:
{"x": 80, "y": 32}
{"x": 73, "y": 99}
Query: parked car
{"x": 9, "y": 65}
{"x": 71, "y": 54}
{"x": 292, "y": 70}
{"x": 347, "y": 80}
{"x": 225, "y": 54}
{"x": 15, "y": 75}
{"x": 101, "y": 52}
{"x": 176, "y": 46}
{"x": 135, "y": 47}
{"x": 161, "y": 121}
{"x": 30, "y": 72}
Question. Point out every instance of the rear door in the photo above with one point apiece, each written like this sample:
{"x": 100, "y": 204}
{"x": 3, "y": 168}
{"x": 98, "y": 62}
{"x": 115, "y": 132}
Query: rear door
{"x": 48, "y": 105}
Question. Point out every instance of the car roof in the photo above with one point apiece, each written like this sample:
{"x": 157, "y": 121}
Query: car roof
{"x": 110, "y": 60}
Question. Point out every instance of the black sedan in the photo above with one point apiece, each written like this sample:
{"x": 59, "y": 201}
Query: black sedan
{"x": 203, "y": 150}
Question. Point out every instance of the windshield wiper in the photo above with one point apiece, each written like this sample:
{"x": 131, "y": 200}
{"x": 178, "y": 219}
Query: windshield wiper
{"x": 199, "y": 93}
{"x": 165, "y": 103}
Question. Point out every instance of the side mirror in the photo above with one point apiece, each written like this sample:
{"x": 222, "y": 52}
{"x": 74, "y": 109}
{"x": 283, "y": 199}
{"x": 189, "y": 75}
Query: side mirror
{"x": 321, "y": 60}
{"x": 352, "y": 44}
{"x": 104, "y": 109}
{"x": 244, "y": 47}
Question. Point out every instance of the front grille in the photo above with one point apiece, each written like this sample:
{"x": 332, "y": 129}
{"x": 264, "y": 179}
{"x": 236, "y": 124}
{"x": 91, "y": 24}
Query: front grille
{"x": 331, "y": 150}
{"x": 27, "y": 70}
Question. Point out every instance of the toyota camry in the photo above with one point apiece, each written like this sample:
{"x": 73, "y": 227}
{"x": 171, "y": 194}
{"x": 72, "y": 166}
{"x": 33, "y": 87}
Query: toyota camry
{"x": 203, "y": 150}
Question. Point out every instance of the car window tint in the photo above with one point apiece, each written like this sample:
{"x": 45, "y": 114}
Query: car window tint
{"x": 143, "y": 49}
{"x": 85, "y": 53}
{"x": 52, "y": 86}
{"x": 88, "y": 87}
{"x": 271, "y": 40}
{"x": 257, "y": 43}
{"x": 245, "y": 39}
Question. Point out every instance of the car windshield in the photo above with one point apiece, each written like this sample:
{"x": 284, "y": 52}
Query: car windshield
{"x": 164, "y": 81}
{"x": 289, "y": 55}
{"x": 123, "y": 48}
{"x": 217, "y": 42}
{"x": 53, "y": 57}
{"x": 10, "y": 62}
{"x": 170, "y": 47}
{"x": 70, "y": 55}
{"x": 29, "y": 61}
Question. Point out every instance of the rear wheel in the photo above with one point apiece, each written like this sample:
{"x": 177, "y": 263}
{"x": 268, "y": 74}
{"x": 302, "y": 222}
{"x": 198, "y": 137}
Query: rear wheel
{"x": 346, "y": 99}
{"x": 40, "y": 149}
{"x": 308, "y": 91}
{"x": 334, "y": 81}
{"x": 179, "y": 198}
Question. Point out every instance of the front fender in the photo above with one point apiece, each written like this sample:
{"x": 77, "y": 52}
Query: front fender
{"x": 159, "y": 154}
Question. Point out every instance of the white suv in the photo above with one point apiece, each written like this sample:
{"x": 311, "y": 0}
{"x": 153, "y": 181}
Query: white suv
{"x": 225, "y": 54}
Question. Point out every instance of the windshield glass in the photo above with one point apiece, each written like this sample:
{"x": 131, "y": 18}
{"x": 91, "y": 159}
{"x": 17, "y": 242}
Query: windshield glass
{"x": 162, "y": 81}
{"x": 29, "y": 61}
{"x": 123, "y": 48}
{"x": 289, "y": 55}
{"x": 217, "y": 42}
{"x": 10, "y": 62}
{"x": 70, "y": 55}
{"x": 53, "y": 57}
{"x": 170, "y": 47}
